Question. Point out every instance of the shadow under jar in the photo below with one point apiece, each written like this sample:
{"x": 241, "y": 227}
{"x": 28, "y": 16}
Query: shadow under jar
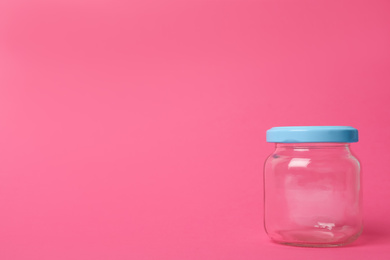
{"x": 312, "y": 186}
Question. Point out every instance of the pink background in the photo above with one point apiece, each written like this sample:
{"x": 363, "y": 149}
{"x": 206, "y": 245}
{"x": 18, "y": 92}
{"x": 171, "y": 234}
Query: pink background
{"x": 136, "y": 129}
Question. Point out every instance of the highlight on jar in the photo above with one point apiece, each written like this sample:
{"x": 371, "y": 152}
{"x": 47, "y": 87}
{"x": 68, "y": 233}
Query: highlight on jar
{"x": 312, "y": 186}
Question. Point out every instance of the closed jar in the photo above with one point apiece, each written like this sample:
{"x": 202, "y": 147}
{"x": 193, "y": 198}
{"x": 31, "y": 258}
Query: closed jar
{"x": 312, "y": 186}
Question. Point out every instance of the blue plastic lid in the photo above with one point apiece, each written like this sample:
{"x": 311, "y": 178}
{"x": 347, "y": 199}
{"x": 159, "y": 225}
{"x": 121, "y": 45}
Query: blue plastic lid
{"x": 312, "y": 134}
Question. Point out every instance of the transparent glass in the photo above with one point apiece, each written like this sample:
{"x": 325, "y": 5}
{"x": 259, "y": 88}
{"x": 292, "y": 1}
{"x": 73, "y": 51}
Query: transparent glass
{"x": 312, "y": 195}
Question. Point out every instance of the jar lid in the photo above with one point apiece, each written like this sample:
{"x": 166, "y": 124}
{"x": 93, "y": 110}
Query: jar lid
{"x": 312, "y": 134}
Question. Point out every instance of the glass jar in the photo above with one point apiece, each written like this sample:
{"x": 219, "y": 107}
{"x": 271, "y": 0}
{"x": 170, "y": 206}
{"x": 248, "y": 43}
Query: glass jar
{"x": 312, "y": 186}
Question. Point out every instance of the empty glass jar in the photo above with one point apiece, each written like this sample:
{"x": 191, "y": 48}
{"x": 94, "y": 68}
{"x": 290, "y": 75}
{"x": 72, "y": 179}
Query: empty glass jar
{"x": 312, "y": 186}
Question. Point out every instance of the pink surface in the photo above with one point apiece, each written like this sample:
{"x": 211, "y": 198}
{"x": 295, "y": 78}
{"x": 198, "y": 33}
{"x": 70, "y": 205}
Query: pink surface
{"x": 136, "y": 129}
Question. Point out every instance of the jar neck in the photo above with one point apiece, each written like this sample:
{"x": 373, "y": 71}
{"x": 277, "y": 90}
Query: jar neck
{"x": 313, "y": 147}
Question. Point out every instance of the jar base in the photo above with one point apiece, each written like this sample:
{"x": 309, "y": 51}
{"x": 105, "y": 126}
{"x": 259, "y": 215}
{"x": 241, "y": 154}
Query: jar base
{"x": 317, "y": 238}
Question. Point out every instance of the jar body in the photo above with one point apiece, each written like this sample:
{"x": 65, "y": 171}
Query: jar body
{"x": 312, "y": 194}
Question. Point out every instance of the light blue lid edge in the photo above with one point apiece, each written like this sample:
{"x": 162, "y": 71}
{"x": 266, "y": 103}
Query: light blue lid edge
{"x": 313, "y": 134}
